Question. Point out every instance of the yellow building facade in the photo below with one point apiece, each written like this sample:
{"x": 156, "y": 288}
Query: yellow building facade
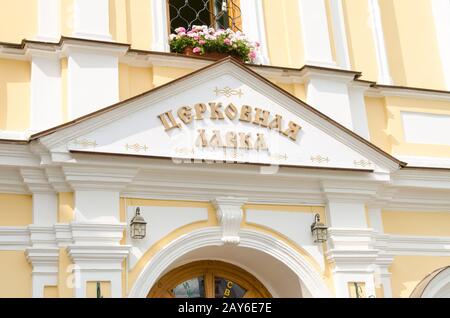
{"x": 343, "y": 119}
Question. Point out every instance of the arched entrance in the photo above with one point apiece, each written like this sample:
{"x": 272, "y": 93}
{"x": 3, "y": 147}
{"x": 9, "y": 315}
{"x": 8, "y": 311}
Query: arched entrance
{"x": 313, "y": 284}
{"x": 434, "y": 285}
{"x": 208, "y": 279}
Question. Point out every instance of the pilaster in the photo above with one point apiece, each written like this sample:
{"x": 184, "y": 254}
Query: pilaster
{"x": 316, "y": 37}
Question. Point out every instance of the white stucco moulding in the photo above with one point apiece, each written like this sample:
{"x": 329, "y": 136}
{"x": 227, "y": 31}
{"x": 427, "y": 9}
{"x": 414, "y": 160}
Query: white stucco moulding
{"x": 229, "y": 215}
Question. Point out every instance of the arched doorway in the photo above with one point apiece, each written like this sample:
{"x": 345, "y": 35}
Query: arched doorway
{"x": 209, "y": 279}
{"x": 434, "y": 285}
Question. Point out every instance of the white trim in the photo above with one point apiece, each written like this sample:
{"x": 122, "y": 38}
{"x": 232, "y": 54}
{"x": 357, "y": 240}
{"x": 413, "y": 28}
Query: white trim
{"x": 418, "y": 245}
{"x": 14, "y": 238}
{"x": 316, "y": 37}
{"x": 213, "y": 237}
{"x": 339, "y": 35}
{"x": 384, "y": 76}
{"x": 48, "y": 20}
{"x": 160, "y": 29}
{"x": 437, "y": 162}
{"x": 253, "y": 26}
{"x": 439, "y": 286}
{"x": 441, "y": 12}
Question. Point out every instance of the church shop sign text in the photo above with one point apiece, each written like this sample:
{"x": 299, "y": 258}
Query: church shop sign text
{"x": 216, "y": 111}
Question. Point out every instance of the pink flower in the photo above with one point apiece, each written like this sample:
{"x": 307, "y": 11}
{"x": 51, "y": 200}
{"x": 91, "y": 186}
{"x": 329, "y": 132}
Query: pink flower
{"x": 180, "y": 29}
{"x": 196, "y": 37}
{"x": 257, "y": 44}
{"x": 196, "y": 50}
{"x": 201, "y": 42}
{"x": 227, "y": 41}
{"x": 252, "y": 55}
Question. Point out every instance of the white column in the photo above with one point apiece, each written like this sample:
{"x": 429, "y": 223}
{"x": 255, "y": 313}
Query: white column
{"x": 253, "y": 26}
{"x": 384, "y": 259}
{"x": 160, "y": 29}
{"x": 330, "y": 96}
{"x": 93, "y": 81}
{"x": 384, "y": 76}
{"x": 46, "y": 110}
{"x": 350, "y": 242}
{"x": 44, "y": 261}
{"x": 91, "y": 19}
{"x": 45, "y": 208}
{"x": 97, "y": 255}
{"x": 441, "y": 12}
{"x": 316, "y": 38}
{"x": 358, "y": 110}
{"x": 340, "y": 35}
{"x": 48, "y": 20}
{"x": 96, "y": 206}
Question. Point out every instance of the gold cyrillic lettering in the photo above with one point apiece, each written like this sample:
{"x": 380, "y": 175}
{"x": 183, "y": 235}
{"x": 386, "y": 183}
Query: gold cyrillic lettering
{"x": 292, "y": 131}
{"x": 201, "y": 139}
{"x": 260, "y": 142}
{"x": 216, "y": 140}
{"x": 216, "y": 113}
{"x": 246, "y": 114}
{"x": 200, "y": 108}
{"x": 276, "y": 123}
{"x": 185, "y": 114}
{"x": 231, "y": 140}
{"x": 167, "y": 125}
{"x": 231, "y": 111}
{"x": 244, "y": 141}
{"x": 261, "y": 117}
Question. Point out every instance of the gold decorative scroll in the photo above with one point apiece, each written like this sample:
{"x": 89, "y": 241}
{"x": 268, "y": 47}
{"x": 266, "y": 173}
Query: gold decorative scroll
{"x": 136, "y": 147}
{"x": 320, "y": 159}
{"x": 228, "y": 92}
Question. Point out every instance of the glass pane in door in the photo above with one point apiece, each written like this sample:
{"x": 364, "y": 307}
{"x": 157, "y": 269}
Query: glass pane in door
{"x": 192, "y": 288}
{"x": 225, "y": 288}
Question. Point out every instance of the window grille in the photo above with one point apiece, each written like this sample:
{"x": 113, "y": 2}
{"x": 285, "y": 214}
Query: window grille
{"x": 218, "y": 14}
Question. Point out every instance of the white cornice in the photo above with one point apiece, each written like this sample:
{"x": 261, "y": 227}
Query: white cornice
{"x": 14, "y": 238}
{"x": 418, "y": 245}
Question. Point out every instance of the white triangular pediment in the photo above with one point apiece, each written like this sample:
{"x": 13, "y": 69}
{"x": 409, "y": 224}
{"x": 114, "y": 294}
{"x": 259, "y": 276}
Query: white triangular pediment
{"x": 142, "y": 126}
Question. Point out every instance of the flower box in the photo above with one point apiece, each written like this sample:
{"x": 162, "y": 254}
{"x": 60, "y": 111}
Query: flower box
{"x": 189, "y": 51}
{"x": 211, "y": 43}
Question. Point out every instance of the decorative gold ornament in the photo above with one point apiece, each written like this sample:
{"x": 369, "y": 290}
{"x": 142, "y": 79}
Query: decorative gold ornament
{"x": 228, "y": 92}
{"x": 320, "y": 159}
{"x": 136, "y": 147}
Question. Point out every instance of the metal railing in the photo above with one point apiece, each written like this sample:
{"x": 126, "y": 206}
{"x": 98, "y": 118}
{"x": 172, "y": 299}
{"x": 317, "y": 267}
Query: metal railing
{"x": 219, "y": 14}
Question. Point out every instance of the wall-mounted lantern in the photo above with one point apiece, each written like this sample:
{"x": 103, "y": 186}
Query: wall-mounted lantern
{"x": 318, "y": 230}
{"x": 138, "y": 225}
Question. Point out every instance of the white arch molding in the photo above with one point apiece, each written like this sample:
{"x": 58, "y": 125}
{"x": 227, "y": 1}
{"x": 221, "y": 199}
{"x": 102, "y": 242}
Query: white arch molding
{"x": 212, "y": 236}
{"x": 439, "y": 286}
